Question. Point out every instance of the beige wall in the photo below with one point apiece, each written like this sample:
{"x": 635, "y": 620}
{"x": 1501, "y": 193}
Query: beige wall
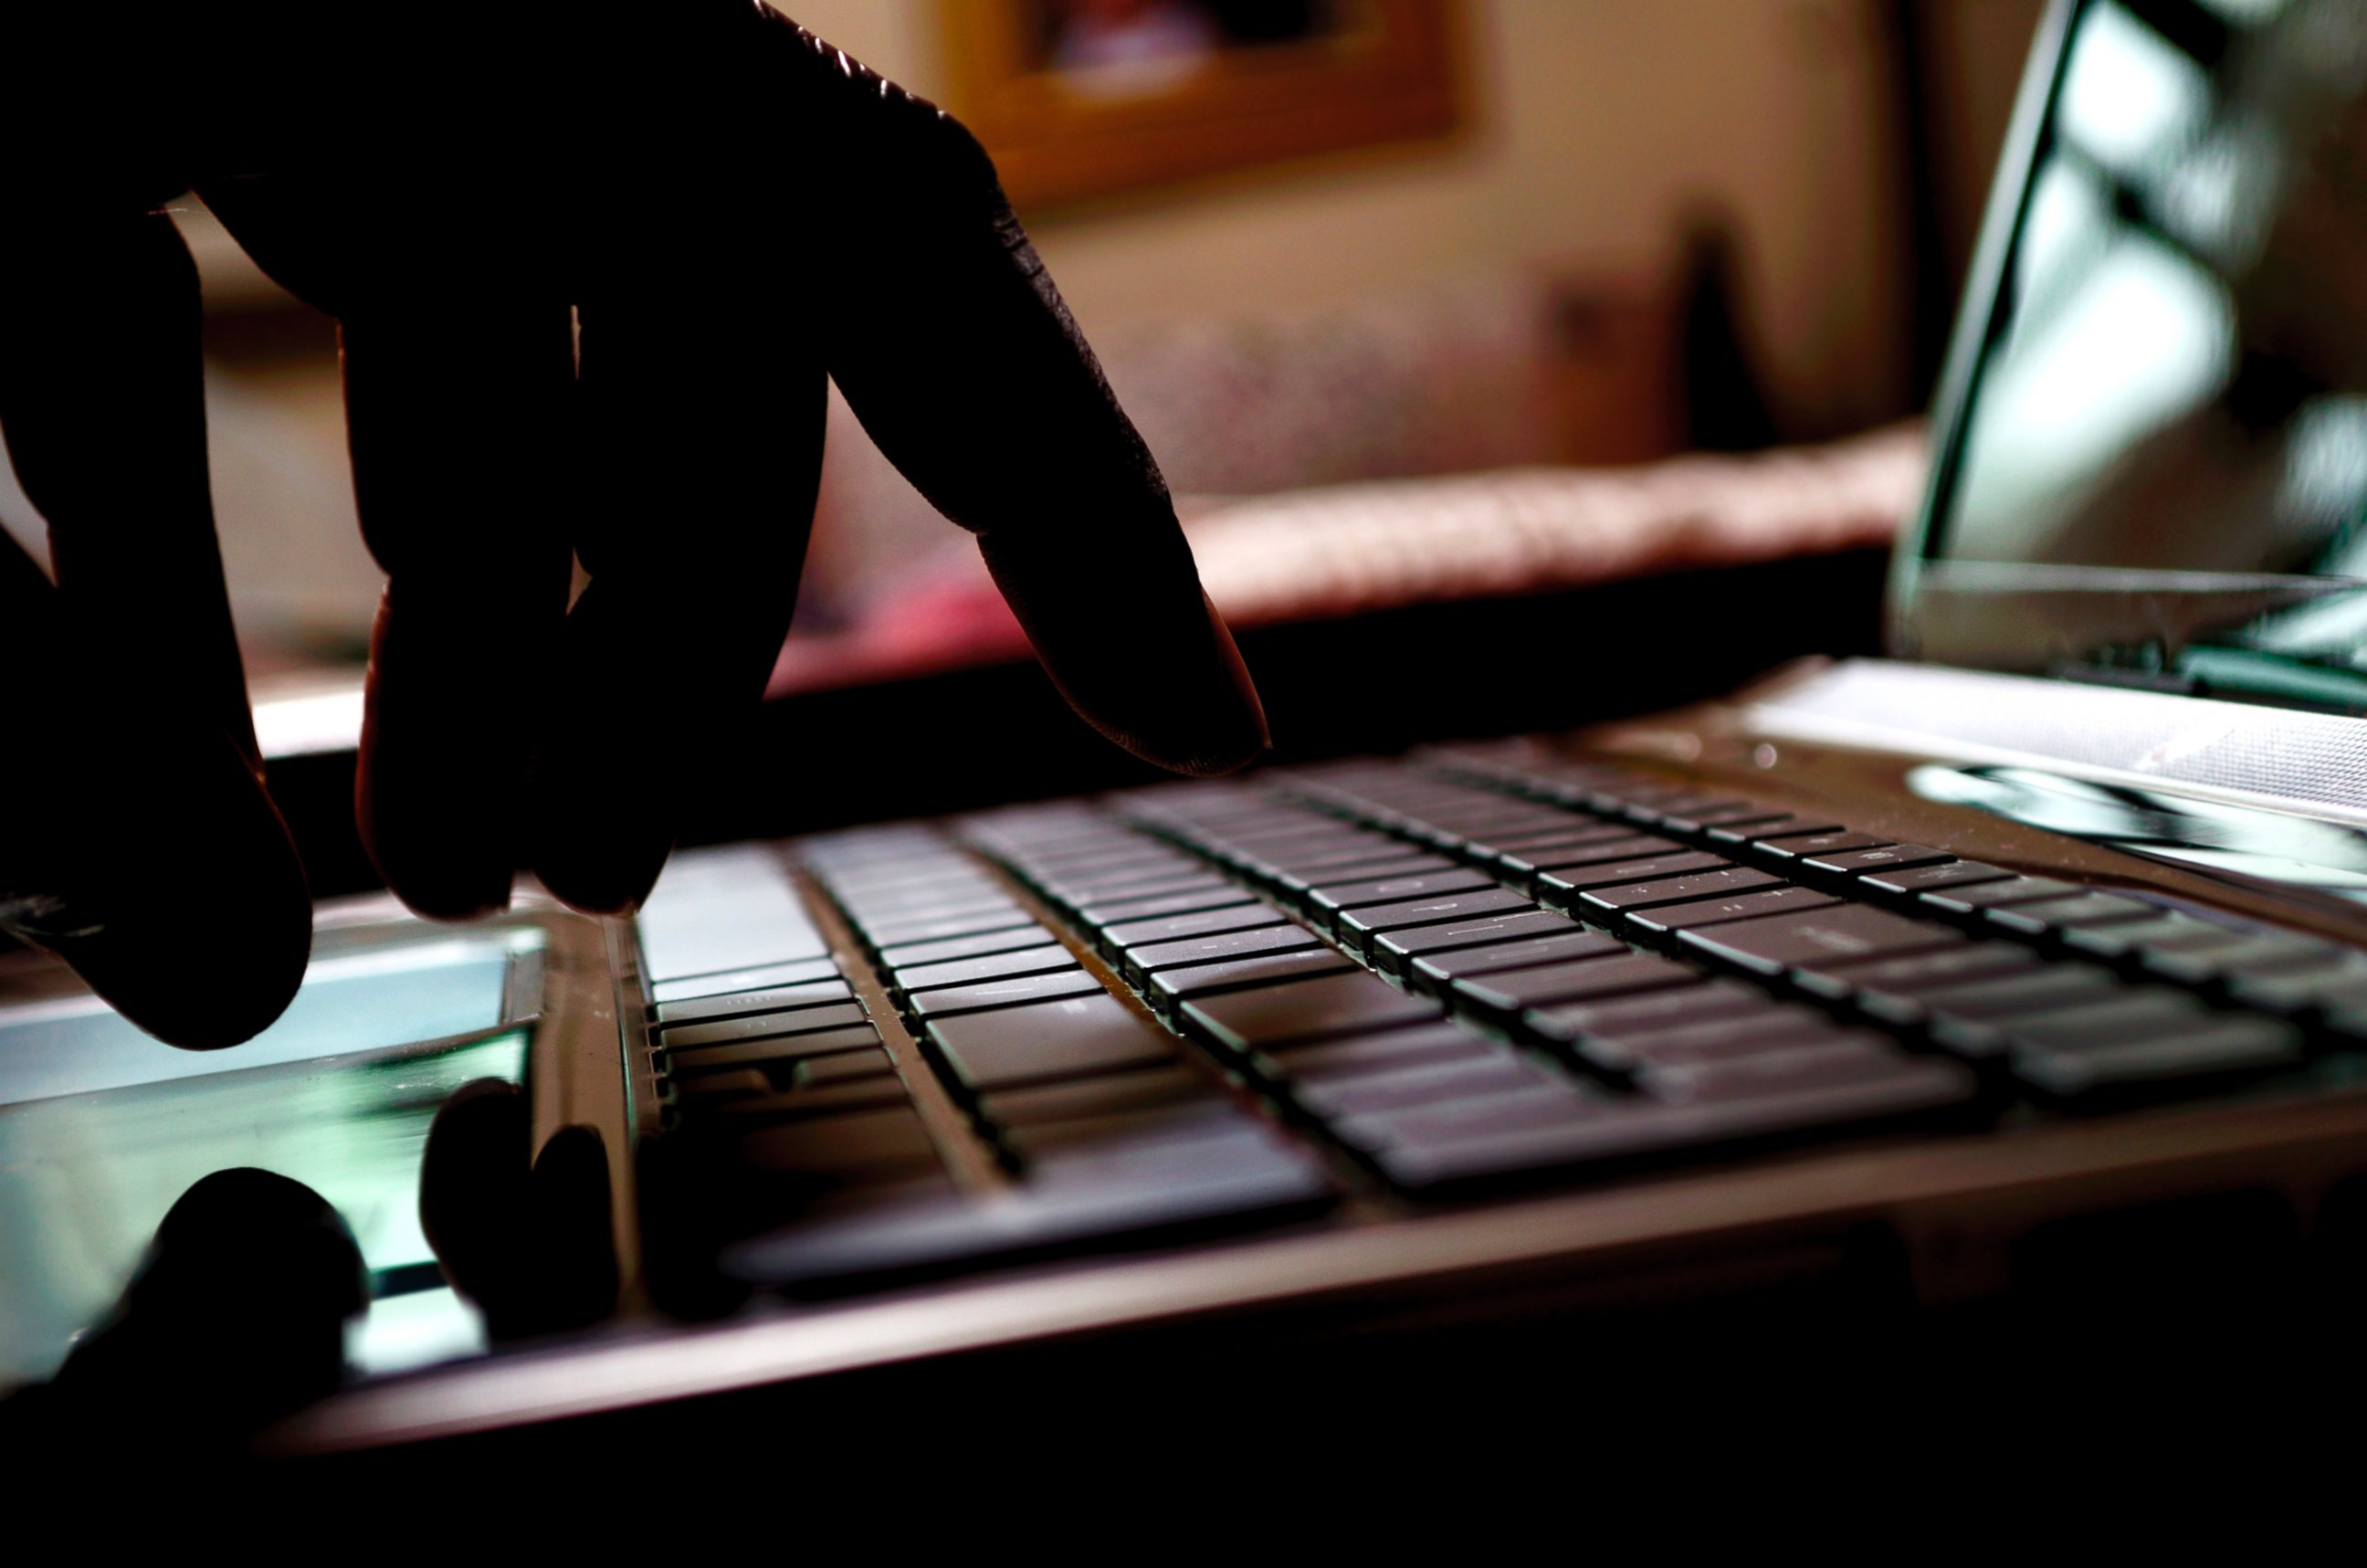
{"x": 1597, "y": 124}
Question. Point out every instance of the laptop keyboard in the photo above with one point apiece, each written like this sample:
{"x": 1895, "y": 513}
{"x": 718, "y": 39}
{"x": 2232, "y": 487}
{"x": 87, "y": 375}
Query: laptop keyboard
{"x": 1241, "y": 1002}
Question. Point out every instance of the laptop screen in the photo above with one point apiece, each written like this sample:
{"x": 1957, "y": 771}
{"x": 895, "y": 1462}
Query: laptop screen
{"x": 2154, "y": 461}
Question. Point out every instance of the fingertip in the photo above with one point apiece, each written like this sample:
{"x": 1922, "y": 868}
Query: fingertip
{"x": 599, "y": 836}
{"x": 593, "y": 878}
{"x": 1154, "y": 670}
{"x": 204, "y": 948}
{"x": 1242, "y": 736}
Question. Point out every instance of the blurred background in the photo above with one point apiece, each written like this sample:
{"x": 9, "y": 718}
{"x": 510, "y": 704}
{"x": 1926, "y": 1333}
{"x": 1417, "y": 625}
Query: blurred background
{"x": 1423, "y": 305}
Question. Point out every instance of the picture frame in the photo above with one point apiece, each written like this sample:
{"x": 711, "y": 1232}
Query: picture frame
{"x": 1074, "y": 107}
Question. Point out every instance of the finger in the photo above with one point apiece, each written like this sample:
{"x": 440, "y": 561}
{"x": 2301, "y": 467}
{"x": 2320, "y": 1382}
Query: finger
{"x": 136, "y": 839}
{"x": 474, "y": 1197}
{"x": 456, "y": 399}
{"x": 455, "y": 415}
{"x": 574, "y": 1230}
{"x": 528, "y": 1237}
{"x": 955, "y": 349}
{"x": 701, "y": 423}
{"x": 236, "y": 1316}
{"x": 104, "y": 405}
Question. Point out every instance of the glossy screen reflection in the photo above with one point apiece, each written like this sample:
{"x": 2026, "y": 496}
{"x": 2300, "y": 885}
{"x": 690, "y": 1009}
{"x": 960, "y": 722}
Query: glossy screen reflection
{"x": 102, "y": 1129}
{"x": 2164, "y": 446}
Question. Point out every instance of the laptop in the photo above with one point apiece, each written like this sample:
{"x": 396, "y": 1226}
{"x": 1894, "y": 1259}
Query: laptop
{"x": 1934, "y": 979}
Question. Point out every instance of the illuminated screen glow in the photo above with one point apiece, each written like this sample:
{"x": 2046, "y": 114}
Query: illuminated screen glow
{"x": 101, "y": 1130}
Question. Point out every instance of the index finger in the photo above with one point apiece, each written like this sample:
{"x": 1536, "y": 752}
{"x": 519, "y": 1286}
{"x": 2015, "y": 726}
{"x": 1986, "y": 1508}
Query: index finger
{"x": 956, "y": 351}
{"x": 137, "y": 841}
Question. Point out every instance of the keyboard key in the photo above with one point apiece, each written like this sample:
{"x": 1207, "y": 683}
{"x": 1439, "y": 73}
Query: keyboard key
{"x": 1067, "y": 1039}
{"x": 1555, "y": 985}
{"x": 1973, "y": 897}
{"x": 1274, "y": 1016}
{"x": 1213, "y": 894}
{"x": 1697, "y": 911}
{"x": 2262, "y": 956}
{"x": 1133, "y": 1130}
{"x": 732, "y": 1084}
{"x": 2221, "y": 1047}
{"x": 2168, "y": 932}
{"x": 937, "y": 898}
{"x": 1811, "y": 846}
{"x": 724, "y": 909}
{"x": 1570, "y": 880}
{"x": 1008, "y": 940}
{"x": 1889, "y": 858}
{"x": 1298, "y": 884}
{"x": 1386, "y": 1051}
{"x": 1183, "y": 880}
{"x": 1142, "y": 882}
{"x": 1112, "y": 1095}
{"x": 1892, "y": 989}
{"x": 1340, "y": 860}
{"x": 1727, "y": 814}
{"x": 1394, "y": 950}
{"x": 1141, "y": 961}
{"x": 1610, "y": 1132}
{"x": 916, "y": 978}
{"x": 1723, "y": 882}
{"x": 1655, "y": 1010}
{"x": 841, "y": 1067}
{"x": 758, "y": 1052}
{"x": 2127, "y": 1014}
{"x": 1331, "y": 898}
{"x": 1972, "y": 1021}
{"x": 1435, "y": 970}
{"x": 1546, "y": 1103}
{"x": 1176, "y": 927}
{"x": 2308, "y": 987}
{"x": 1923, "y": 879}
{"x": 855, "y": 1147}
{"x": 1406, "y": 863}
{"x": 777, "y": 999}
{"x": 1476, "y": 1076}
{"x": 1358, "y": 926}
{"x": 1075, "y": 1199}
{"x": 819, "y": 1099}
{"x": 1772, "y": 1029}
{"x": 764, "y": 1026}
{"x": 1593, "y": 852}
{"x": 1771, "y": 827}
{"x": 1569, "y": 833}
{"x": 734, "y": 980}
{"x": 899, "y": 932}
{"x": 1779, "y": 942}
{"x": 988, "y": 994}
{"x": 2029, "y": 991}
{"x": 1684, "y": 810}
{"x": 1169, "y": 986}
{"x": 2082, "y": 909}
{"x": 1835, "y": 1059}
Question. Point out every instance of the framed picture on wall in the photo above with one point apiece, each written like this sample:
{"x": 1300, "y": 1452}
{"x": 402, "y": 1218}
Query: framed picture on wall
{"x": 1081, "y": 98}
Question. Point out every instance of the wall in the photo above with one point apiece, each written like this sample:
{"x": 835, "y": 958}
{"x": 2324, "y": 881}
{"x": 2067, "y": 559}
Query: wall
{"x": 1597, "y": 124}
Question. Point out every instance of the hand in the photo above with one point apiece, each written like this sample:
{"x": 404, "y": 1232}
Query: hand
{"x": 237, "y": 1316}
{"x": 526, "y": 1233}
{"x": 591, "y": 266}
{"x": 238, "y": 1313}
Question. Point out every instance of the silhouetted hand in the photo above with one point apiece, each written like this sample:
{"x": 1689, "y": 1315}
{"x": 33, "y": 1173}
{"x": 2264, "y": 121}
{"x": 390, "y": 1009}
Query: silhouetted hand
{"x": 590, "y": 265}
{"x": 524, "y": 1233}
{"x": 236, "y": 1317}
{"x": 237, "y": 1314}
